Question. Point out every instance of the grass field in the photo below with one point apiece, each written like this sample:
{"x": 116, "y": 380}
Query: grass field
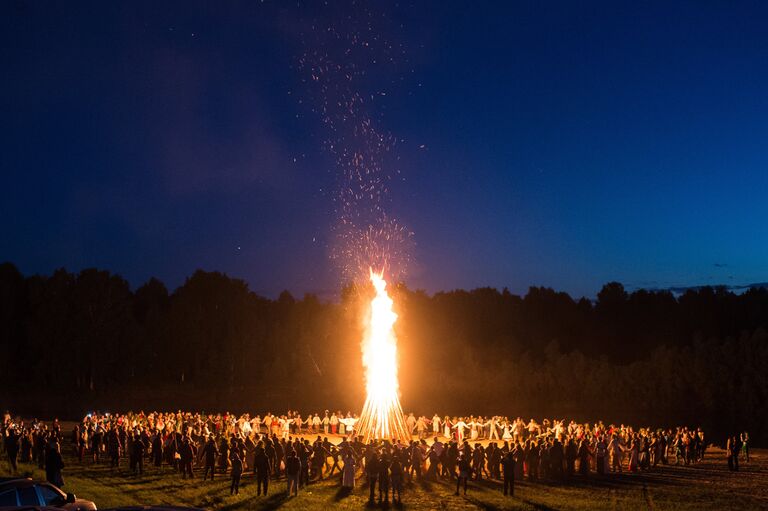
{"x": 708, "y": 485}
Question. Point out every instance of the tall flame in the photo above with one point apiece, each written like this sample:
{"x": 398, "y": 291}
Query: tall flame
{"x": 382, "y": 416}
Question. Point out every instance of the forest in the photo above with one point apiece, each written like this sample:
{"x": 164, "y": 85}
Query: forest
{"x": 74, "y": 342}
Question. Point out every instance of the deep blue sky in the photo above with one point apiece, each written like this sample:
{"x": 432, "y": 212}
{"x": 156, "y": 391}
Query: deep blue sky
{"x": 563, "y": 144}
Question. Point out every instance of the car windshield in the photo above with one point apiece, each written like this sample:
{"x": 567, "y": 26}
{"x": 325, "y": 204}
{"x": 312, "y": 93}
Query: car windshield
{"x": 8, "y": 498}
{"x": 51, "y": 496}
{"x": 28, "y": 496}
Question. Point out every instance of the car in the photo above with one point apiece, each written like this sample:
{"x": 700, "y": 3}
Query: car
{"x": 18, "y": 492}
{"x": 153, "y": 508}
{"x": 29, "y": 508}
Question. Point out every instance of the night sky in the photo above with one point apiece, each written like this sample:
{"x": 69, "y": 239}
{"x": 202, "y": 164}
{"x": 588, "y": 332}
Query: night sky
{"x": 538, "y": 143}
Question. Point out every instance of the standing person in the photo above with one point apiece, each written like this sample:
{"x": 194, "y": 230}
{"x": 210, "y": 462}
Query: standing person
{"x": 210, "y": 452}
{"x": 128, "y": 449}
{"x": 435, "y": 425}
{"x": 40, "y": 443}
{"x": 54, "y": 464}
{"x": 157, "y": 450}
{"x": 270, "y": 451}
{"x": 12, "y": 448}
{"x": 417, "y": 458}
{"x": 744, "y": 446}
{"x": 733, "y": 449}
{"x": 421, "y": 427}
{"x": 584, "y": 456}
{"x": 278, "y": 446}
{"x": 460, "y": 426}
{"x": 76, "y": 439}
{"x": 384, "y": 479}
{"x": 304, "y": 454}
{"x": 450, "y": 460}
{"x": 81, "y": 444}
{"x": 334, "y": 455}
{"x": 114, "y": 446}
{"x": 186, "y": 456}
{"x": 292, "y": 470}
{"x": 556, "y": 458}
{"x": 507, "y": 432}
{"x": 634, "y": 453}
{"x": 532, "y": 460}
{"x": 465, "y": 469}
{"x": 334, "y": 423}
{"x": 663, "y": 448}
{"x": 318, "y": 459}
{"x": 508, "y": 469}
{"x": 372, "y": 471}
{"x": 348, "y": 472}
{"x": 171, "y": 450}
{"x": 478, "y": 461}
{"x": 410, "y": 423}
{"x": 493, "y": 431}
{"x": 571, "y": 453}
{"x": 96, "y": 441}
{"x": 237, "y": 472}
{"x": 433, "y": 455}
{"x": 645, "y": 461}
{"x": 601, "y": 450}
{"x": 447, "y": 426}
{"x": 326, "y": 421}
{"x": 224, "y": 456}
{"x": 261, "y": 468}
{"x": 615, "y": 449}
{"x": 655, "y": 449}
{"x": 138, "y": 455}
{"x": 396, "y": 478}
{"x": 679, "y": 448}
{"x": 285, "y": 424}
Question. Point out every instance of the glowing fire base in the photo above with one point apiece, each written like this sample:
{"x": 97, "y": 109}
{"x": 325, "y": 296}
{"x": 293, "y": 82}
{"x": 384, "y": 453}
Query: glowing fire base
{"x": 380, "y": 422}
{"x": 382, "y": 416}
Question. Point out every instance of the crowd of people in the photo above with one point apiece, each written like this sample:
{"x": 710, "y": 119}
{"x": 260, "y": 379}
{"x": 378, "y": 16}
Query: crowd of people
{"x": 33, "y": 443}
{"x": 303, "y": 449}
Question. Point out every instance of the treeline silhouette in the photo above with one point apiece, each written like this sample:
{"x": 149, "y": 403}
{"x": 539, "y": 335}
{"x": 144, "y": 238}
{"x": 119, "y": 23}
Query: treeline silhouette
{"x": 71, "y": 342}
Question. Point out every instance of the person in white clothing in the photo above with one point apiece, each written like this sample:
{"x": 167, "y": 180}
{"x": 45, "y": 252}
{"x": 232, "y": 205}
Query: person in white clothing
{"x": 349, "y": 425}
{"x": 508, "y": 435}
{"x": 285, "y": 426}
{"x": 460, "y": 426}
{"x": 435, "y": 425}
{"x": 493, "y": 432}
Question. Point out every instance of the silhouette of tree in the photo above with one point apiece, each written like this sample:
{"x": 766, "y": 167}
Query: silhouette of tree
{"x": 74, "y": 341}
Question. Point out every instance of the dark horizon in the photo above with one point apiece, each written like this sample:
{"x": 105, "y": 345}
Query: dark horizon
{"x": 333, "y": 296}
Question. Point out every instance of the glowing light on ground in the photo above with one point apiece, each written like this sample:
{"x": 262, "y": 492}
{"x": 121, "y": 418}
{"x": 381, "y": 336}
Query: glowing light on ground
{"x": 382, "y": 416}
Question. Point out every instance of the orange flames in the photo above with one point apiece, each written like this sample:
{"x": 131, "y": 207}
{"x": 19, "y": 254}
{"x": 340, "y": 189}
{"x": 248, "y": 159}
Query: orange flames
{"x": 382, "y": 415}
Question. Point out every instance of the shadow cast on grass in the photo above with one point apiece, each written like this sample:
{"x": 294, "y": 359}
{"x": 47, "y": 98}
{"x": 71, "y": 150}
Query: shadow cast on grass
{"x": 538, "y": 506}
{"x": 425, "y": 485}
{"x": 342, "y": 494}
{"x": 374, "y": 504}
{"x": 274, "y": 501}
{"x": 480, "y": 504}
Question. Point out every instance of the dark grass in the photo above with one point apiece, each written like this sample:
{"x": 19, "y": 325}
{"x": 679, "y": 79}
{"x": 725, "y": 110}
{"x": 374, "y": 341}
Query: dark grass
{"x": 706, "y": 486}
